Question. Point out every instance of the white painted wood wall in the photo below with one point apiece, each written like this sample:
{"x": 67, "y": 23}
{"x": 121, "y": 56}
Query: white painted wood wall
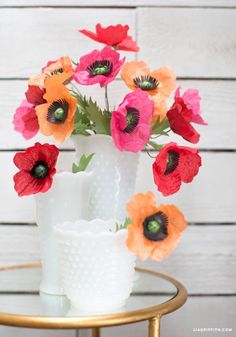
{"x": 198, "y": 39}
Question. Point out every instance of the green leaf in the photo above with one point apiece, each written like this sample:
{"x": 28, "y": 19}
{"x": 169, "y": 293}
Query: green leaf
{"x": 91, "y": 117}
{"x": 160, "y": 127}
{"x": 80, "y": 129}
{"x": 124, "y": 225}
{"x": 101, "y": 119}
{"x": 83, "y": 163}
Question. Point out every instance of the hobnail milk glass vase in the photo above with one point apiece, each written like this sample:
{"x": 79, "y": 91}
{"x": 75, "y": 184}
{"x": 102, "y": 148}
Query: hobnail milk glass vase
{"x": 67, "y": 199}
{"x": 114, "y": 175}
{"x": 96, "y": 266}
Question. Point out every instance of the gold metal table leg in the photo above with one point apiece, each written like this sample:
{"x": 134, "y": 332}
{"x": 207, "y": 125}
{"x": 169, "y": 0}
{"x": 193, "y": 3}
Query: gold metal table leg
{"x": 154, "y": 327}
{"x": 95, "y": 332}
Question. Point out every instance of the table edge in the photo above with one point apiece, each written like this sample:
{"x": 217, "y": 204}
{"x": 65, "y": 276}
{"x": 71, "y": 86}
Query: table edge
{"x": 42, "y": 322}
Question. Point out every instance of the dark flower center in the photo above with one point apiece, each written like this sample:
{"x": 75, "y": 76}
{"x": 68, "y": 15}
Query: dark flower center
{"x": 40, "y": 170}
{"x": 100, "y": 68}
{"x": 57, "y": 72}
{"x": 146, "y": 82}
{"x": 155, "y": 227}
{"x": 172, "y": 162}
{"x": 58, "y": 111}
{"x": 132, "y": 119}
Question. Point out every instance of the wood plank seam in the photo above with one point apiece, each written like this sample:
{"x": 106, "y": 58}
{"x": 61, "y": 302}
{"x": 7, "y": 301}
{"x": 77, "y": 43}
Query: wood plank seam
{"x": 116, "y": 6}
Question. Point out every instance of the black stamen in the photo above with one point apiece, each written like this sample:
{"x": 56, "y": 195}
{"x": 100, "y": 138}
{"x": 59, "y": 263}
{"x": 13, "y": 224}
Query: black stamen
{"x": 146, "y": 82}
{"x": 172, "y": 162}
{"x": 57, "y": 72}
{"x": 58, "y": 112}
{"x": 155, "y": 227}
{"x": 100, "y": 68}
{"x": 132, "y": 119}
{"x": 40, "y": 170}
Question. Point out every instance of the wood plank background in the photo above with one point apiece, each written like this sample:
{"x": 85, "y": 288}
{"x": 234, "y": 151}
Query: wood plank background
{"x": 198, "y": 39}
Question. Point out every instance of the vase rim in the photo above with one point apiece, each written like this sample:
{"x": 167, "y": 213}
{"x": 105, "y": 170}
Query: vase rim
{"x": 92, "y": 136}
{"x": 91, "y": 228}
{"x": 71, "y": 174}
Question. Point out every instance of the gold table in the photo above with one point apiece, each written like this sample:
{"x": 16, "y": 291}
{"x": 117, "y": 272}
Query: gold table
{"x": 153, "y": 296}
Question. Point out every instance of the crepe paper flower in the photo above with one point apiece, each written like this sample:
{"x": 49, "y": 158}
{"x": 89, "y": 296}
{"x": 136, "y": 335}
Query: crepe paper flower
{"x": 191, "y": 99}
{"x": 115, "y": 36}
{"x": 56, "y": 116}
{"x": 61, "y": 68}
{"x": 34, "y": 95}
{"x": 130, "y": 123}
{"x": 173, "y": 165}
{"x": 25, "y": 120}
{"x": 160, "y": 81}
{"x": 98, "y": 67}
{"x": 184, "y": 111}
{"x": 37, "y": 168}
{"x": 154, "y": 230}
{"x": 160, "y": 109}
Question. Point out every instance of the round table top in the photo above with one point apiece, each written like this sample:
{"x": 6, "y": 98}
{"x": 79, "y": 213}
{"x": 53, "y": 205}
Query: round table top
{"x": 153, "y": 294}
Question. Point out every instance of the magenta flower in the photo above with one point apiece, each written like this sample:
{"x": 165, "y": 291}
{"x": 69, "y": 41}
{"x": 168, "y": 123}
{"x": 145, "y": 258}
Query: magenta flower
{"x": 25, "y": 120}
{"x": 98, "y": 67}
{"x": 130, "y": 124}
{"x": 191, "y": 99}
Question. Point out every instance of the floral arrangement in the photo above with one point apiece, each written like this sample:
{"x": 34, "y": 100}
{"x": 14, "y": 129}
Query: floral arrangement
{"x": 55, "y": 106}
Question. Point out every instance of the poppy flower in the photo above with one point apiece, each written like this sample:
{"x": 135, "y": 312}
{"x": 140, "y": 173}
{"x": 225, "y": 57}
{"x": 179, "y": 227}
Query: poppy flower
{"x": 98, "y": 67}
{"x": 154, "y": 230}
{"x": 130, "y": 123}
{"x": 160, "y": 108}
{"x": 160, "y": 81}
{"x": 61, "y": 68}
{"x": 115, "y": 36}
{"x": 25, "y": 120}
{"x": 173, "y": 165}
{"x": 56, "y": 116}
{"x": 184, "y": 111}
{"x": 34, "y": 95}
{"x": 37, "y": 168}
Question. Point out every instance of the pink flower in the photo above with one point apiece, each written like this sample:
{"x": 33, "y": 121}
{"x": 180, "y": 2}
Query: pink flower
{"x": 191, "y": 99}
{"x": 98, "y": 67}
{"x": 130, "y": 124}
{"x": 25, "y": 120}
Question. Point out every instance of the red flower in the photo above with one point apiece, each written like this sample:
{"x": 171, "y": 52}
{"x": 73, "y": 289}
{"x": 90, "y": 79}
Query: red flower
{"x": 115, "y": 36}
{"x": 174, "y": 165}
{"x": 186, "y": 110}
{"x": 34, "y": 95}
{"x": 37, "y": 168}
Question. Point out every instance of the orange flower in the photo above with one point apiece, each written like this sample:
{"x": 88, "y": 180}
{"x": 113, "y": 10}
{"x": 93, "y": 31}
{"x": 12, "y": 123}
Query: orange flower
{"x": 61, "y": 68}
{"x": 154, "y": 231}
{"x": 158, "y": 84}
{"x": 56, "y": 116}
{"x": 160, "y": 109}
{"x": 160, "y": 81}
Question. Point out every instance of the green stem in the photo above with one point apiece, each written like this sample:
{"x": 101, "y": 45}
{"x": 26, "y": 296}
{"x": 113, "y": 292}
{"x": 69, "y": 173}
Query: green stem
{"x": 106, "y": 99}
{"x": 75, "y": 88}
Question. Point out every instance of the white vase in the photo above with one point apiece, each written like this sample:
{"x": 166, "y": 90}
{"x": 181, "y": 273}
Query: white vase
{"x": 52, "y": 305}
{"x": 66, "y": 200}
{"x": 96, "y": 266}
{"x": 114, "y": 178}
